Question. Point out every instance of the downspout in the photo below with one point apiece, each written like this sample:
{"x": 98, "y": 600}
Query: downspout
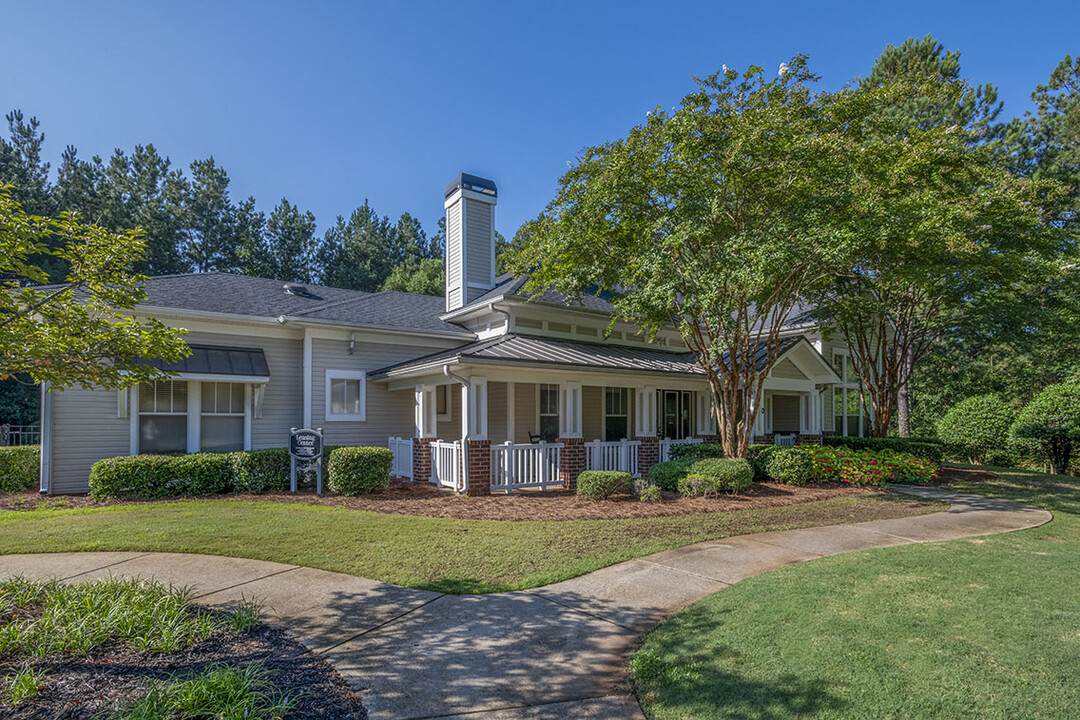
{"x": 493, "y": 309}
{"x": 46, "y": 438}
{"x": 464, "y": 430}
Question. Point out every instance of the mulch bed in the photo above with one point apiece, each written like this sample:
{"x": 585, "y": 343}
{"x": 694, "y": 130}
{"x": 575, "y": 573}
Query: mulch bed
{"x": 95, "y": 686}
{"x": 424, "y": 499}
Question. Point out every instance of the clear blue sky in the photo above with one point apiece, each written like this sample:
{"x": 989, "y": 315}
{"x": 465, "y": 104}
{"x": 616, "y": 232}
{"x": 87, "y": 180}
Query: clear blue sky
{"x": 330, "y": 103}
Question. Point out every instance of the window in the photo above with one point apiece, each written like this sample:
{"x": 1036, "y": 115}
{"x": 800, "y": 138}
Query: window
{"x": 163, "y": 417}
{"x": 549, "y": 412}
{"x": 847, "y": 415}
{"x": 346, "y": 394}
{"x": 442, "y": 402}
{"x": 616, "y": 414}
{"x": 222, "y": 426}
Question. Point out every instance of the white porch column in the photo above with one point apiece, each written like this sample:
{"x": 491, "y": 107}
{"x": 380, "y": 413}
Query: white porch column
{"x": 645, "y": 411}
{"x": 570, "y": 410}
{"x": 194, "y": 415}
{"x": 804, "y": 412}
{"x": 475, "y": 408}
{"x": 706, "y": 418}
{"x": 425, "y": 409}
{"x": 511, "y": 430}
{"x": 248, "y": 412}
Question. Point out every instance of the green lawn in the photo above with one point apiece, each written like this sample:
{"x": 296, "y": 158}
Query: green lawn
{"x": 980, "y": 628}
{"x": 459, "y": 556}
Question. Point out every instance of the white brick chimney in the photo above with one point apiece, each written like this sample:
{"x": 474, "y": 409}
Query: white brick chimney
{"x": 470, "y": 239}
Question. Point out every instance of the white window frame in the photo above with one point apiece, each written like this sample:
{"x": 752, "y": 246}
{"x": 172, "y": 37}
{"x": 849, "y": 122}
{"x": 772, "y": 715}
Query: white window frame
{"x": 625, "y": 394}
{"x": 558, "y": 407}
{"x": 845, "y": 386}
{"x": 194, "y": 412}
{"x": 137, "y": 413}
{"x": 360, "y": 375}
{"x": 244, "y": 413}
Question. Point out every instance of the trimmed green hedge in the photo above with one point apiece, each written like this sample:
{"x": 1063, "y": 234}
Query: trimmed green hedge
{"x": 919, "y": 447}
{"x": 360, "y": 470}
{"x": 20, "y": 468}
{"x": 695, "y": 451}
{"x": 790, "y": 465}
{"x": 715, "y": 475}
{"x": 602, "y": 484}
{"x": 666, "y": 475}
{"x": 977, "y": 426}
{"x": 263, "y": 470}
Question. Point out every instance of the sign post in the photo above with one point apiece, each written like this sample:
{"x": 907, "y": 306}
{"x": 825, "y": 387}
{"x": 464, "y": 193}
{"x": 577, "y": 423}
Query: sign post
{"x": 305, "y": 448}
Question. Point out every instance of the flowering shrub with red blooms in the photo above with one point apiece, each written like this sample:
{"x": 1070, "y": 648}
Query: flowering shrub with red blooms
{"x": 869, "y": 467}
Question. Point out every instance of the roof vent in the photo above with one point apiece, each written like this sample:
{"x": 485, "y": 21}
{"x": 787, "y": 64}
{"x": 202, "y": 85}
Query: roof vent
{"x": 296, "y": 289}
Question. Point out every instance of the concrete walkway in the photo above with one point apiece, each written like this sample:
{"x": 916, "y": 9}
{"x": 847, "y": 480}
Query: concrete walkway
{"x": 552, "y": 652}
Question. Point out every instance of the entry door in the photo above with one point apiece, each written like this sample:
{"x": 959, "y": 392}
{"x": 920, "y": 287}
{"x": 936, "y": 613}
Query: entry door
{"x": 670, "y": 415}
{"x": 676, "y": 410}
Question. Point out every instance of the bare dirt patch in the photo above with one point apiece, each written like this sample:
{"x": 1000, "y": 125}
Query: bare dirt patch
{"x": 424, "y": 499}
{"x": 93, "y": 687}
{"x": 949, "y": 475}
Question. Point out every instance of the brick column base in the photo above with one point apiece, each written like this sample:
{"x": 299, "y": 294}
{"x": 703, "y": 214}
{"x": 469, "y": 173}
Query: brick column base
{"x": 421, "y": 459}
{"x": 478, "y": 457}
{"x": 571, "y": 461}
{"x": 808, "y": 440}
{"x": 648, "y": 453}
{"x": 766, "y": 439}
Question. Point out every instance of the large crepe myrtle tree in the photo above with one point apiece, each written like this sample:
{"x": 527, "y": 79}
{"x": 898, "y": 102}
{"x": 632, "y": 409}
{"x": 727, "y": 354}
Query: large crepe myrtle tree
{"x": 79, "y": 332}
{"x": 718, "y": 216}
{"x": 943, "y": 230}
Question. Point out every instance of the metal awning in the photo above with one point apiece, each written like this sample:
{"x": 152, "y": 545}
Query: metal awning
{"x": 219, "y": 362}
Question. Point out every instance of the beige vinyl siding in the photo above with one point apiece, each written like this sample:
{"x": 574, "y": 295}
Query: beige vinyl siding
{"x": 387, "y": 413}
{"x": 496, "y": 407}
{"x": 786, "y": 369}
{"x": 524, "y": 411}
{"x": 827, "y": 406}
{"x": 478, "y": 244}
{"x": 85, "y": 429}
{"x": 785, "y": 413}
{"x": 592, "y": 412}
{"x": 451, "y": 429}
{"x": 454, "y": 283}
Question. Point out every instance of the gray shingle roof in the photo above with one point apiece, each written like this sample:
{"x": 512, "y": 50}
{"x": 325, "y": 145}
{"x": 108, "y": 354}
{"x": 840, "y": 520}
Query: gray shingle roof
{"x": 260, "y": 297}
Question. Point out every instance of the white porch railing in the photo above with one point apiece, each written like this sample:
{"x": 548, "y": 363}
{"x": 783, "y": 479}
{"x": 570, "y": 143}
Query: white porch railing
{"x": 525, "y": 466}
{"x": 402, "y": 450}
{"x": 621, "y": 455}
{"x": 20, "y": 435}
{"x": 667, "y": 443}
{"x": 446, "y": 464}
{"x": 785, "y": 440}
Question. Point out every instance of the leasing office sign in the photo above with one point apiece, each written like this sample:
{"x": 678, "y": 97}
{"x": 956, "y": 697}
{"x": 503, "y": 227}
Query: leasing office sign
{"x": 305, "y": 449}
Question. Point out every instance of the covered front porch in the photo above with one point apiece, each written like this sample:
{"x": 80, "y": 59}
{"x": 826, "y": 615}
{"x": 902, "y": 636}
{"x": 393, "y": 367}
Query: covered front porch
{"x": 484, "y": 427}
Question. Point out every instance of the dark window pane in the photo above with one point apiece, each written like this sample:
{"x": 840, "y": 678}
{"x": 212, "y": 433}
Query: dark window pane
{"x": 222, "y": 434}
{"x": 162, "y": 433}
{"x": 549, "y": 427}
{"x": 615, "y": 428}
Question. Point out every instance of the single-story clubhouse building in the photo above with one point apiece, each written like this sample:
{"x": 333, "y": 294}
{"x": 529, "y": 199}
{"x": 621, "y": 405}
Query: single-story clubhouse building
{"x": 482, "y": 391}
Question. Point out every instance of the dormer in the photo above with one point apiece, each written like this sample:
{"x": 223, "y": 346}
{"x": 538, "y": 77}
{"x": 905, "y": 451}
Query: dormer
{"x": 470, "y": 239}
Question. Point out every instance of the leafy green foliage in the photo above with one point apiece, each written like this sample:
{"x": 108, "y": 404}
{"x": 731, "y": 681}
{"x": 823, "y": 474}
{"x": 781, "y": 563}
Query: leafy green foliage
{"x": 827, "y": 462}
{"x": 1052, "y": 421}
{"x": 19, "y": 468}
{"x": 666, "y": 475}
{"x": 165, "y": 475}
{"x": 695, "y": 451}
{"x": 602, "y": 484}
{"x": 75, "y": 333}
{"x": 791, "y": 465}
{"x": 41, "y": 618}
{"x": 931, "y": 450}
{"x": 264, "y": 470}
{"x": 360, "y": 470}
{"x": 425, "y": 277}
{"x": 977, "y": 425}
{"x": 723, "y": 213}
{"x": 713, "y": 476}
{"x": 218, "y": 691}
{"x": 650, "y": 494}
{"x": 758, "y": 454}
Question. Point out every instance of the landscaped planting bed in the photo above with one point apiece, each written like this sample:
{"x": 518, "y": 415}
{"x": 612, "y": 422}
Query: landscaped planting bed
{"x": 145, "y": 652}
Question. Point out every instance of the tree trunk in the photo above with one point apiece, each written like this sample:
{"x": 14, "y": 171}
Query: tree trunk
{"x": 903, "y": 400}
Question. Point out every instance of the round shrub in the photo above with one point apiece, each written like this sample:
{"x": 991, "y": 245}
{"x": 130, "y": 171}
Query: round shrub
{"x": 666, "y": 475}
{"x": 791, "y": 465}
{"x": 977, "y": 425}
{"x": 715, "y": 475}
{"x": 19, "y": 468}
{"x": 695, "y": 451}
{"x": 602, "y": 484}
{"x": 359, "y": 470}
{"x": 1052, "y": 422}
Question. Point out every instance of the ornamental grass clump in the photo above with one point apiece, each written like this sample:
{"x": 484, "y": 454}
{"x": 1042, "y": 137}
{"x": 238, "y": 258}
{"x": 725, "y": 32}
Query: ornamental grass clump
{"x": 603, "y": 484}
{"x": 360, "y": 470}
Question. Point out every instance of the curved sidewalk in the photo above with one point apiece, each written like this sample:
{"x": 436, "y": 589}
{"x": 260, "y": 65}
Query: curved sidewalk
{"x": 552, "y": 652}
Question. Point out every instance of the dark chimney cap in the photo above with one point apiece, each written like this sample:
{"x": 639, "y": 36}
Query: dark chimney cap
{"x": 471, "y": 182}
